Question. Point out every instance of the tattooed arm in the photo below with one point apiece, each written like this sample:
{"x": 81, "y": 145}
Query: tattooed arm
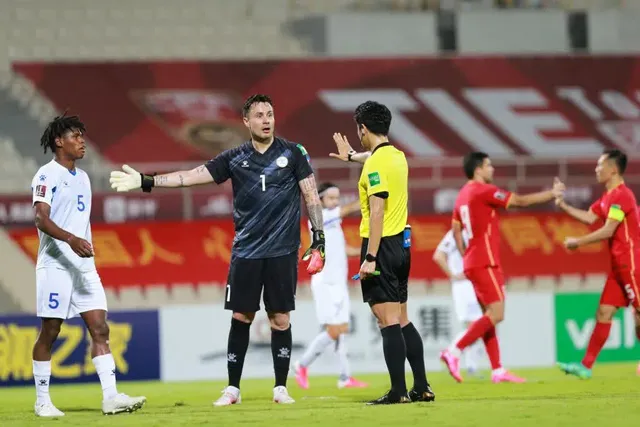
{"x": 314, "y": 206}
{"x": 197, "y": 176}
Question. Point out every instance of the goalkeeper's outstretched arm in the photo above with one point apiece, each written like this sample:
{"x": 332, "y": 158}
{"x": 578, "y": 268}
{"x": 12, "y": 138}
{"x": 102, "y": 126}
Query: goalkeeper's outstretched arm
{"x": 130, "y": 179}
{"x": 197, "y": 176}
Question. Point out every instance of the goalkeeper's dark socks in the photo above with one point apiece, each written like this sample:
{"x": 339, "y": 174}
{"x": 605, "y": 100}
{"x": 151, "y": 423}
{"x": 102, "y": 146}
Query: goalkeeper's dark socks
{"x": 281, "y": 343}
{"x": 237, "y": 350}
{"x": 415, "y": 356}
{"x": 394, "y": 355}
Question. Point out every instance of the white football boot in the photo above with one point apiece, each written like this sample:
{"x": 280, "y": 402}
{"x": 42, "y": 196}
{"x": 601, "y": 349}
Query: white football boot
{"x": 47, "y": 410}
{"x": 230, "y": 396}
{"x": 281, "y": 395}
{"x": 122, "y": 403}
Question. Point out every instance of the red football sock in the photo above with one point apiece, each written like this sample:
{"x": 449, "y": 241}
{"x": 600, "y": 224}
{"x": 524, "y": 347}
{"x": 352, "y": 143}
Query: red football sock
{"x": 493, "y": 347}
{"x": 475, "y": 331}
{"x": 638, "y": 332}
{"x": 598, "y": 338}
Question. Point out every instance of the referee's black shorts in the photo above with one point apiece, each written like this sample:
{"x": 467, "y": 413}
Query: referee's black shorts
{"x": 394, "y": 263}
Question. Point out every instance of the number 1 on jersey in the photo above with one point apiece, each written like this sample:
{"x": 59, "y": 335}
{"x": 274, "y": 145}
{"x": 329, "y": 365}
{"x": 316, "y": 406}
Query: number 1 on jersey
{"x": 263, "y": 180}
{"x": 466, "y": 220}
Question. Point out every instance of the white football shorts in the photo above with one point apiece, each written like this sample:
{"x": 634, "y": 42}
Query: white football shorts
{"x": 465, "y": 301}
{"x": 63, "y": 294}
{"x": 332, "y": 302}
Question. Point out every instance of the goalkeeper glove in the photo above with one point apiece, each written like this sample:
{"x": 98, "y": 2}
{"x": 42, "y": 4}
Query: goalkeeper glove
{"x": 130, "y": 179}
{"x": 315, "y": 253}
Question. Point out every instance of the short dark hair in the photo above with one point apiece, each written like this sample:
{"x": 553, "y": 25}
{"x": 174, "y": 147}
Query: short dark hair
{"x": 58, "y": 127}
{"x": 324, "y": 187}
{"x": 375, "y": 116}
{"x": 255, "y": 99}
{"x": 619, "y": 158}
{"x": 472, "y": 161}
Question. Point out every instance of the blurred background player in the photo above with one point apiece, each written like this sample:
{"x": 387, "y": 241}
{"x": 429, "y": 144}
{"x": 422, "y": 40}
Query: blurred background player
{"x": 449, "y": 259}
{"x": 475, "y": 211}
{"x": 331, "y": 292}
{"x": 67, "y": 282}
{"x": 618, "y": 209}
{"x": 268, "y": 174}
{"x": 386, "y": 249}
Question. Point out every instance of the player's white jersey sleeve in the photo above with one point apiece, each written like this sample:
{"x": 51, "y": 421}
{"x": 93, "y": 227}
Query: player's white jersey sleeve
{"x": 69, "y": 195}
{"x": 43, "y": 186}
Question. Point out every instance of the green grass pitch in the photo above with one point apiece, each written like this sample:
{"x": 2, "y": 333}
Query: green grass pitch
{"x": 549, "y": 398}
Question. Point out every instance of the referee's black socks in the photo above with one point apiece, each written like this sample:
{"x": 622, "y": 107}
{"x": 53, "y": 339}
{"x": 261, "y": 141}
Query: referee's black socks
{"x": 281, "y": 344}
{"x": 394, "y": 355}
{"x": 415, "y": 356}
{"x": 237, "y": 350}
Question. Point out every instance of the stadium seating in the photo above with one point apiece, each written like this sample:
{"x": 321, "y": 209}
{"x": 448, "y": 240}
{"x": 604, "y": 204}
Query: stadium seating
{"x": 139, "y": 30}
{"x": 16, "y": 171}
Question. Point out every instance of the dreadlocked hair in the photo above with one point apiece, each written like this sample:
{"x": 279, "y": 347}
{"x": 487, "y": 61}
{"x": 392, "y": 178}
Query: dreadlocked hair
{"x": 58, "y": 127}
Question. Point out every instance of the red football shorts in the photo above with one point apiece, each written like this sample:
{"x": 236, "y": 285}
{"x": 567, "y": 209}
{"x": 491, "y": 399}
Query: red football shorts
{"x": 621, "y": 289}
{"x": 488, "y": 282}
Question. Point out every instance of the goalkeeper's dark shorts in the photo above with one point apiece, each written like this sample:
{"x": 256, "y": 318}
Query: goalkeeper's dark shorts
{"x": 394, "y": 263}
{"x": 247, "y": 278}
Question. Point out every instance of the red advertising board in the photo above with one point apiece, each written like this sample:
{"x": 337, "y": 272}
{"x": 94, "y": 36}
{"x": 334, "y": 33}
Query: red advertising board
{"x": 198, "y": 252}
{"x": 549, "y": 106}
{"x": 209, "y": 202}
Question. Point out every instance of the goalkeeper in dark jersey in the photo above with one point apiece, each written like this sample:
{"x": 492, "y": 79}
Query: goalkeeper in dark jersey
{"x": 269, "y": 176}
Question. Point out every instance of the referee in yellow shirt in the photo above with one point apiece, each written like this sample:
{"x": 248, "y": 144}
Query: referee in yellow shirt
{"x": 385, "y": 253}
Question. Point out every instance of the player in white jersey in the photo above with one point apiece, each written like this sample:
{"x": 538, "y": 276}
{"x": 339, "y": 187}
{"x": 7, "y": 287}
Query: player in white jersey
{"x": 331, "y": 292}
{"x": 67, "y": 283}
{"x": 465, "y": 302}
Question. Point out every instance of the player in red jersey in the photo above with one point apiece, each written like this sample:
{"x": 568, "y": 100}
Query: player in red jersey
{"x": 618, "y": 209}
{"x": 475, "y": 211}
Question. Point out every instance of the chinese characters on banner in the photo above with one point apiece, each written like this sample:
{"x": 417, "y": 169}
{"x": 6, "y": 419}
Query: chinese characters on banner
{"x": 134, "y": 336}
{"x": 198, "y": 252}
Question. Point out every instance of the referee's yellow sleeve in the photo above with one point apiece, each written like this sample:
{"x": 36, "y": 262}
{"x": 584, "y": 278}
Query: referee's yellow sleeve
{"x": 376, "y": 177}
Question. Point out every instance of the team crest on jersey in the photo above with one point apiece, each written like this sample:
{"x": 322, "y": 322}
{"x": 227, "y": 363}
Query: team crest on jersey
{"x": 41, "y": 190}
{"x": 282, "y": 161}
{"x": 42, "y": 178}
{"x": 499, "y": 195}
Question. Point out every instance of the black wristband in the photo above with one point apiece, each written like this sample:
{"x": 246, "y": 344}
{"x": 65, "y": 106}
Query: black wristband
{"x": 351, "y": 153}
{"x": 370, "y": 258}
{"x": 147, "y": 182}
{"x": 318, "y": 236}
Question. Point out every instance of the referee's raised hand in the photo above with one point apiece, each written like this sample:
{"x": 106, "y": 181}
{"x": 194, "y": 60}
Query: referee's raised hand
{"x": 343, "y": 146}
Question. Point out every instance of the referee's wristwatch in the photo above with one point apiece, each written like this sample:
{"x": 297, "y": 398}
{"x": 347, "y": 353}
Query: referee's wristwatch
{"x": 370, "y": 258}
{"x": 351, "y": 153}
